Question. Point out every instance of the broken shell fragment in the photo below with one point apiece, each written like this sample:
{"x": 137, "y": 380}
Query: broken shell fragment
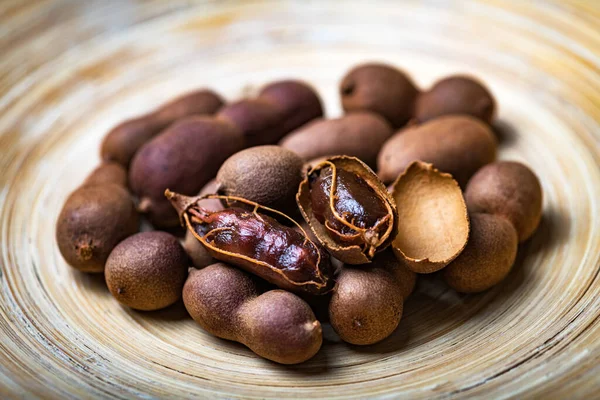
{"x": 433, "y": 224}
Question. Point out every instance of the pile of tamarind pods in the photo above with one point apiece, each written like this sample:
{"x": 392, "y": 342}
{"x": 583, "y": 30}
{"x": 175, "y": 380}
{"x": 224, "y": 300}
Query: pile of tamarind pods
{"x": 293, "y": 220}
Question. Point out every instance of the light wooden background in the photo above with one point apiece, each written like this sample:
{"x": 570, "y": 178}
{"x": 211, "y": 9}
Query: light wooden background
{"x": 69, "y": 70}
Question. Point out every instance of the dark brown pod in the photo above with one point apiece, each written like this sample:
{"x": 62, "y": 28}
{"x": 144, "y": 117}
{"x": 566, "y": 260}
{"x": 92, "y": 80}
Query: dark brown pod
{"x": 348, "y": 209}
{"x": 276, "y": 325}
{"x": 456, "y": 95}
{"x": 123, "y": 141}
{"x": 267, "y": 175}
{"x": 198, "y": 254}
{"x": 509, "y": 189}
{"x": 458, "y": 145}
{"x": 360, "y": 135}
{"x": 405, "y": 277}
{"x": 107, "y": 172}
{"x": 366, "y": 306}
{"x": 92, "y": 221}
{"x": 382, "y": 89}
{"x": 488, "y": 257}
{"x": 147, "y": 271}
{"x": 279, "y": 108}
{"x": 252, "y": 239}
{"x": 297, "y": 101}
{"x": 185, "y": 157}
{"x": 258, "y": 121}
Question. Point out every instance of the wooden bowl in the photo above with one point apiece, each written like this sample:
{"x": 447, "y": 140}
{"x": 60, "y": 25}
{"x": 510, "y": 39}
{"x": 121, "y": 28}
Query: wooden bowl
{"x": 71, "y": 70}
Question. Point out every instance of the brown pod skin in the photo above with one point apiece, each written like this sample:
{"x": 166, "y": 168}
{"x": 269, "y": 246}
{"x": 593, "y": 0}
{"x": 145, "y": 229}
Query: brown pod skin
{"x": 124, "y": 140}
{"x": 276, "y": 325}
{"x": 360, "y": 135}
{"x": 298, "y": 102}
{"x": 267, "y": 175}
{"x": 251, "y": 239}
{"x": 456, "y": 95}
{"x": 382, "y": 89}
{"x": 258, "y": 121}
{"x": 92, "y": 221}
{"x": 107, "y": 172}
{"x": 348, "y": 209}
{"x": 406, "y": 279}
{"x": 488, "y": 257}
{"x": 366, "y": 306}
{"x": 184, "y": 157}
{"x": 509, "y": 189}
{"x": 458, "y": 145}
{"x": 279, "y": 108}
{"x": 147, "y": 271}
{"x": 196, "y": 251}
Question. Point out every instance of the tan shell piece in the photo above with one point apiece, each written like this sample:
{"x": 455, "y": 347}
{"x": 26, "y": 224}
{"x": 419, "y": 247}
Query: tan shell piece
{"x": 348, "y": 254}
{"x": 433, "y": 226}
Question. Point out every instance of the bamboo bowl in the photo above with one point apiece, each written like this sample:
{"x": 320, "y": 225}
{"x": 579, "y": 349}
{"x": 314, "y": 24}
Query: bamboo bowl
{"x": 71, "y": 70}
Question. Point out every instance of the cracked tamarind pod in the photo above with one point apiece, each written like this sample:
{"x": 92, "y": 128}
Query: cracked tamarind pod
{"x": 198, "y": 254}
{"x": 245, "y": 235}
{"x": 348, "y": 209}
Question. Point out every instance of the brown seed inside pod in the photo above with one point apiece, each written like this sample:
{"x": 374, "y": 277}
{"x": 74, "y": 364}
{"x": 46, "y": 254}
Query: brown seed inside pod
{"x": 198, "y": 254}
{"x": 433, "y": 222}
{"x": 348, "y": 209}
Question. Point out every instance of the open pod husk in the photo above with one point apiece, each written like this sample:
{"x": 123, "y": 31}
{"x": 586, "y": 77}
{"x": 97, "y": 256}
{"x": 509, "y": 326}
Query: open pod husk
{"x": 351, "y": 254}
{"x": 434, "y": 223}
{"x": 321, "y": 282}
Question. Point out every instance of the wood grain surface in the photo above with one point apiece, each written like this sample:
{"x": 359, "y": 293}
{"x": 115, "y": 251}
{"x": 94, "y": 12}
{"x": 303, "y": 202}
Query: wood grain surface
{"x": 70, "y": 70}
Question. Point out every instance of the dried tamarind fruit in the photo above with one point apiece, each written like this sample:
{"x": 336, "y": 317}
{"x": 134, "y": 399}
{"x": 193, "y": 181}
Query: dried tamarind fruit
{"x": 184, "y": 157}
{"x": 381, "y": 89}
{"x": 456, "y": 95}
{"x": 124, "y": 140}
{"x": 93, "y": 220}
{"x": 279, "y": 108}
{"x": 276, "y": 325}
